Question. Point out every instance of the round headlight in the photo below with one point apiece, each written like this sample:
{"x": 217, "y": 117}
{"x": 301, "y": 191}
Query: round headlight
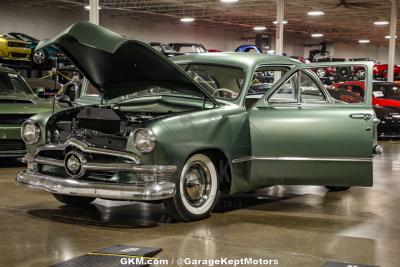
{"x": 30, "y": 132}
{"x": 144, "y": 140}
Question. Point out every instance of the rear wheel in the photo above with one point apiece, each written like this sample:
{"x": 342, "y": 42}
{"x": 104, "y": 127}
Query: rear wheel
{"x": 196, "y": 190}
{"x": 337, "y": 188}
{"x": 74, "y": 200}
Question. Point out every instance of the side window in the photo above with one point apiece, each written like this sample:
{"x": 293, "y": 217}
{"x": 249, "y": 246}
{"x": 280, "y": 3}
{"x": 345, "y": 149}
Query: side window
{"x": 287, "y": 92}
{"x": 264, "y": 78}
{"x": 309, "y": 90}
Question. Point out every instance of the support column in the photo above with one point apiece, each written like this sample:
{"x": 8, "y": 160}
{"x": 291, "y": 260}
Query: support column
{"x": 279, "y": 26}
{"x": 94, "y": 11}
{"x": 392, "y": 41}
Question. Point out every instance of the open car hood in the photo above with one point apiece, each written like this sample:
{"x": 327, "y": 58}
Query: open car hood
{"x": 118, "y": 66}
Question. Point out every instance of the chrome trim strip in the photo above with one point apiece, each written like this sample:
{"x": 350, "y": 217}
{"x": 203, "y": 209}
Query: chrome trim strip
{"x": 314, "y": 159}
{"x": 99, "y": 166}
{"x": 84, "y": 147}
{"x": 342, "y": 159}
{"x": 49, "y": 161}
{"x": 239, "y": 160}
{"x": 77, "y": 187}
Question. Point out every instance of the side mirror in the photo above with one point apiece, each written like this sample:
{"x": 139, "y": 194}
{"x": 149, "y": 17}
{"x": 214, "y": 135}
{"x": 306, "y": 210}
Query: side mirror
{"x": 65, "y": 100}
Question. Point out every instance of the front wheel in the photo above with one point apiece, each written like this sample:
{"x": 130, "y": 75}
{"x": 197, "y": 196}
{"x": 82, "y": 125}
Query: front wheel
{"x": 74, "y": 200}
{"x": 196, "y": 190}
{"x": 337, "y": 188}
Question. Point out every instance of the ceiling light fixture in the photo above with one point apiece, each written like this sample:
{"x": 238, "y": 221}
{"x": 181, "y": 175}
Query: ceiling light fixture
{"x": 364, "y": 41}
{"x": 259, "y": 28}
{"x": 388, "y": 37}
{"x": 315, "y": 13}
{"x": 284, "y": 22}
{"x": 88, "y": 7}
{"x": 187, "y": 19}
{"x": 229, "y": 1}
{"x": 381, "y": 22}
{"x": 317, "y": 35}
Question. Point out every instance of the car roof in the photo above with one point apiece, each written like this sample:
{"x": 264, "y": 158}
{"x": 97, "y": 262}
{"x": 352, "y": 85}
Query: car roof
{"x": 240, "y": 59}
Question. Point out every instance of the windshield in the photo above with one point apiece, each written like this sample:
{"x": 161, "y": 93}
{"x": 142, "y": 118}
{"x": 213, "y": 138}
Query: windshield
{"x": 224, "y": 82}
{"x": 24, "y": 37}
{"x": 13, "y": 83}
{"x": 142, "y": 90}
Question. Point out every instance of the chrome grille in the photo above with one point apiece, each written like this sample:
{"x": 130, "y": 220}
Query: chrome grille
{"x": 11, "y": 145}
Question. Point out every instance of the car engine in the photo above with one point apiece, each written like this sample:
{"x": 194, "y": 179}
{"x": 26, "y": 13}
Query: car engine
{"x": 102, "y": 127}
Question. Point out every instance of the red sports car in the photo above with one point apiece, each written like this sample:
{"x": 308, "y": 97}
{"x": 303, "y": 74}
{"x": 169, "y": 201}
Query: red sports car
{"x": 385, "y": 94}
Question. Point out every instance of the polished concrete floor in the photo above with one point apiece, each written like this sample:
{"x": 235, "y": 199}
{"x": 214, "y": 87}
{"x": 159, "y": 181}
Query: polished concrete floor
{"x": 299, "y": 226}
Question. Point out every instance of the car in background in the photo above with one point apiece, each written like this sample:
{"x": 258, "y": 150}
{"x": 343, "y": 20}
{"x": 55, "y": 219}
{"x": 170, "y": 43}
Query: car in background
{"x": 188, "y": 48}
{"x": 214, "y": 50}
{"x": 40, "y": 57}
{"x": 12, "y": 49}
{"x": 380, "y": 70}
{"x": 301, "y": 59}
{"x": 18, "y": 103}
{"x": 389, "y": 126}
{"x": 383, "y": 69}
{"x": 249, "y": 49}
{"x": 165, "y": 49}
{"x": 385, "y": 94}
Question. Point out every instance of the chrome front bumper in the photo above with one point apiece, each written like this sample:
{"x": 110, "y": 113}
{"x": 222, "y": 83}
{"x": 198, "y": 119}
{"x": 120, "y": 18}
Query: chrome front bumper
{"x": 77, "y": 187}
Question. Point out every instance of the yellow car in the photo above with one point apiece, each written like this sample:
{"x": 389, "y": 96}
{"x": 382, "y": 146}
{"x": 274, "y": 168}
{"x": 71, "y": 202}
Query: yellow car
{"x": 13, "y": 49}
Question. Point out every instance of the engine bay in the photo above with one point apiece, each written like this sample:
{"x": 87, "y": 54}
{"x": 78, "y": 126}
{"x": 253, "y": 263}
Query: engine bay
{"x": 102, "y": 127}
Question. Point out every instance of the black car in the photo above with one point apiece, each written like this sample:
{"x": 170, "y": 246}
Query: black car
{"x": 389, "y": 127}
{"x": 388, "y": 90}
{"x": 164, "y": 49}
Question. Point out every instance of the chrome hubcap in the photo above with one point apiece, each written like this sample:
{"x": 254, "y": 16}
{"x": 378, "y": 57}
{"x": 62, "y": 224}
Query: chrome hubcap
{"x": 39, "y": 57}
{"x": 197, "y": 184}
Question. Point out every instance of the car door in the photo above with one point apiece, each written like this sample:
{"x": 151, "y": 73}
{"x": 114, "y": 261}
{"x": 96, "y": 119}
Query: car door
{"x": 301, "y": 136}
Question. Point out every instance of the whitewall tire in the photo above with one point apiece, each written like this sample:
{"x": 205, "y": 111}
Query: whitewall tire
{"x": 196, "y": 190}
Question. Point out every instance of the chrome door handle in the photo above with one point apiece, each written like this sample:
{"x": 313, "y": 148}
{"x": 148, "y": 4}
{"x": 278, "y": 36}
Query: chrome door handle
{"x": 363, "y": 116}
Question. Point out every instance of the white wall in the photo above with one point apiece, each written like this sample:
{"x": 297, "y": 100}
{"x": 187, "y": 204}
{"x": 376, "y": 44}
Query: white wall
{"x": 379, "y": 53}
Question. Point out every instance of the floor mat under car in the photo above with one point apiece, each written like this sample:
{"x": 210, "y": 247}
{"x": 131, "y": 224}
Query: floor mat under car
{"x": 111, "y": 257}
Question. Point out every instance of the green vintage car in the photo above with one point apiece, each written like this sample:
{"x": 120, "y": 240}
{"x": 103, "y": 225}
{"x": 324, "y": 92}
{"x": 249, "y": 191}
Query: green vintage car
{"x": 18, "y": 103}
{"x": 184, "y": 133}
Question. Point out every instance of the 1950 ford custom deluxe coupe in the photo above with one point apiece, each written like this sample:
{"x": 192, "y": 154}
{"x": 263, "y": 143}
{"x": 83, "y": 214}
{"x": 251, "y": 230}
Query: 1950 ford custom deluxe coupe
{"x": 184, "y": 132}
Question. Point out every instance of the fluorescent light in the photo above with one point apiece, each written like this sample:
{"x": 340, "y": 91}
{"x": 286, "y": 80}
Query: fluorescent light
{"x": 187, "y": 19}
{"x": 229, "y": 1}
{"x": 317, "y": 35}
{"x": 364, "y": 41}
{"x": 276, "y": 22}
{"x": 381, "y": 22}
{"x": 88, "y": 7}
{"x": 388, "y": 37}
{"x": 315, "y": 13}
{"x": 259, "y": 28}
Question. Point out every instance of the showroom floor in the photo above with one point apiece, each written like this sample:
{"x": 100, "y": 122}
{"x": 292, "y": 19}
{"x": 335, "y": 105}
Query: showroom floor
{"x": 299, "y": 226}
